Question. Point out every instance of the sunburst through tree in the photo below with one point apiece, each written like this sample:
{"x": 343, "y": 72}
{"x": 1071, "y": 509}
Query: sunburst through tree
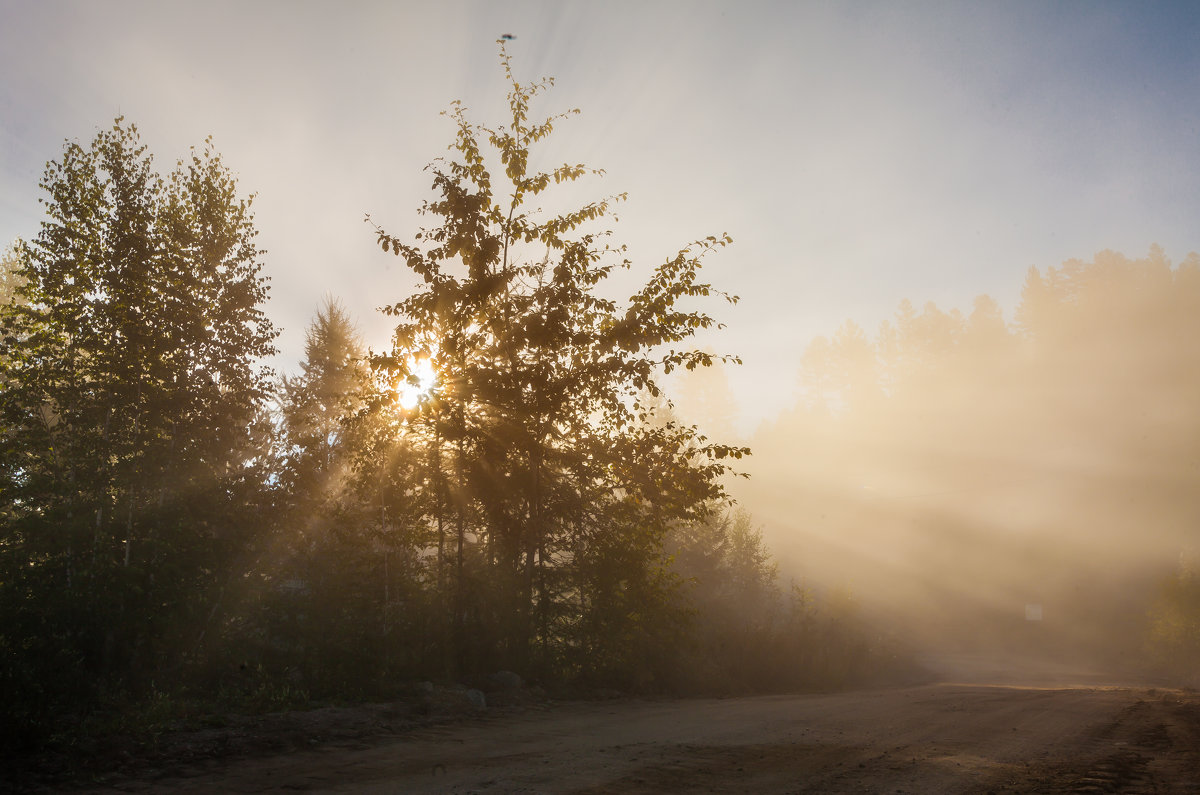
{"x": 552, "y": 476}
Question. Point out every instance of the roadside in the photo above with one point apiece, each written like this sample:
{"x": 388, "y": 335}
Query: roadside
{"x": 185, "y": 747}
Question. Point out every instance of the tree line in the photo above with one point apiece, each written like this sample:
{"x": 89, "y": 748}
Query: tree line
{"x": 505, "y": 487}
{"x": 964, "y": 466}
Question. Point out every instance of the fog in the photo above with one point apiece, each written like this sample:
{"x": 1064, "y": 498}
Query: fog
{"x": 988, "y": 479}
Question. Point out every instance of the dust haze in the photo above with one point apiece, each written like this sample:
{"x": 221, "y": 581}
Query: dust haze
{"x": 1012, "y": 482}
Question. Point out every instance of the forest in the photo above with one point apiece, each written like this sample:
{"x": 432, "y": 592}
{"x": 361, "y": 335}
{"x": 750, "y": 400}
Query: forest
{"x": 506, "y": 488}
{"x": 960, "y": 467}
{"x": 509, "y": 486}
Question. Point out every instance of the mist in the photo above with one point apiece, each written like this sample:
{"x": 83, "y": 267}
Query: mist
{"x": 1004, "y": 482}
{"x": 339, "y": 398}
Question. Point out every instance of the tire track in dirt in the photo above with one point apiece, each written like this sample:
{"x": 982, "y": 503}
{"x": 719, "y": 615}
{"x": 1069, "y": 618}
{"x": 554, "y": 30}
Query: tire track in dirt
{"x": 1151, "y": 746}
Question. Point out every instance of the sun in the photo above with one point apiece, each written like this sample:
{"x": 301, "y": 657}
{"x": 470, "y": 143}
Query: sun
{"x": 420, "y": 371}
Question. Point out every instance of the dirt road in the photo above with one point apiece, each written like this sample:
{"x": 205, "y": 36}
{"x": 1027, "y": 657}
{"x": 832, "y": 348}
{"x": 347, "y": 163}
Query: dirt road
{"x": 940, "y": 738}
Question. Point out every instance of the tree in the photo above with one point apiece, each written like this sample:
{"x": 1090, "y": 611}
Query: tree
{"x": 132, "y": 409}
{"x": 704, "y": 397}
{"x": 346, "y": 559}
{"x": 10, "y": 278}
{"x": 10, "y": 285}
{"x": 315, "y": 405}
{"x": 735, "y": 600}
{"x": 534, "y": 428}
{"x": 1173, "y": 639}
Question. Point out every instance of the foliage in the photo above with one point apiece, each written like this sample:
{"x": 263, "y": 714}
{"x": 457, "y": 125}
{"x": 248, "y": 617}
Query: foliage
{"x": 542, "y": 465}
{"x": 344, "y": 599}
{"x": 10, "y": 278}
{"x": 130, "y": 403}
{"x": 748, "y": 633}
{"x": 1173, "y": 639}
{"x": 169, "y": 545}
{"x": 960, "y": 468}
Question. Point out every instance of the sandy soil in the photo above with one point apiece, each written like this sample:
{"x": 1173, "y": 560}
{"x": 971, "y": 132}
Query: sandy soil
{"x": 1058, "y": 732}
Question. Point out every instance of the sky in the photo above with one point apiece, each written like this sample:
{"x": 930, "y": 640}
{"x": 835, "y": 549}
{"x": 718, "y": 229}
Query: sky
{"x": 858, "y": 153}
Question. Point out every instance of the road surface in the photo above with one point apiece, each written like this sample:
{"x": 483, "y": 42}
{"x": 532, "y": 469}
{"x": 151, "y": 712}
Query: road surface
{"x": 1054, "y": 736}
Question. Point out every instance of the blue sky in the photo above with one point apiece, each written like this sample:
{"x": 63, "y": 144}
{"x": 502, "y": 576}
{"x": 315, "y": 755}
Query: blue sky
{"x": 858, "y": 153}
